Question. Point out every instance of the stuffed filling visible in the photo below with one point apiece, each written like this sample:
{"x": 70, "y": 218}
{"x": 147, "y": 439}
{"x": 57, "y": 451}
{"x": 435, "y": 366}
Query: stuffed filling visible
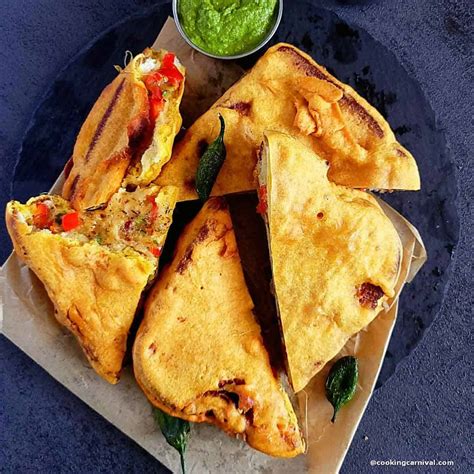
{"x": 137, "y": 220}
{"x": 162, "y": 74}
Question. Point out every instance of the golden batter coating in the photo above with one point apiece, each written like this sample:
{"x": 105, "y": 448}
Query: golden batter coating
{"x": 288, "y": 91}
{"x": 199, "y": 354}
{"x": 128, "y": 135}
{"x": 335, "y": 254}
{"x": 94, "y": 264}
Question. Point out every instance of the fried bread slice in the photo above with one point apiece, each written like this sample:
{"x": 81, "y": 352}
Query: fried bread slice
{"x": 288, "y": 91}
{"x": 199, "y": 354}
{"x": 335, "y": 254}
{"x": 128, "y": 135}
{"x": 94, "y": 264}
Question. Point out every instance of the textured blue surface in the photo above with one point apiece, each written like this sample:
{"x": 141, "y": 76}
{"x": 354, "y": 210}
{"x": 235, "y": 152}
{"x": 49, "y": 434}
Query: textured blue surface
{"x": 417, "y": 414}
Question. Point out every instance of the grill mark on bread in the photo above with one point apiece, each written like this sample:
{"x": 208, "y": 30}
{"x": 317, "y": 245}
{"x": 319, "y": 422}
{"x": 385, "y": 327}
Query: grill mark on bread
{"x": 306, "y": 66}
{"x": 401, "y": 153}
{"x": 203, "y": 232}
{"x": 347, "y": 100}
{"x": 72, "y": 189}
{"x": 68, "y": 167}
{"x": 243, "y": 108}
{"x": 190, "y": 184}
{"x": 103, "y": 120}
{"x": 210, "y": 229}
{"x": 235, "y": 381}
{"x": 185, "y": 260}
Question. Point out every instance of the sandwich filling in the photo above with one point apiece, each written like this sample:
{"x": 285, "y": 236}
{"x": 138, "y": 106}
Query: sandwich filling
{"x": 133, "y": 222}
{"x": 163, "y": 77}
{"x": 129, "y": 132}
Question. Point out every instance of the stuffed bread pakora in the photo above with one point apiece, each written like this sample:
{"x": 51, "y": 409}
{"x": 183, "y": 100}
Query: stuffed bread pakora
{"x": 199, "y": 354}
{"x": 128, "y": 135}
{"x": 94, "y": 264}
{"x": 335, "y": 254}
{"x": 288, "y": 91}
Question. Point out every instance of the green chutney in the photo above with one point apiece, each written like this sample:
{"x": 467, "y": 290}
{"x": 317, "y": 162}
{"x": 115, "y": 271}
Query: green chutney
{"x": 227, "y": 27}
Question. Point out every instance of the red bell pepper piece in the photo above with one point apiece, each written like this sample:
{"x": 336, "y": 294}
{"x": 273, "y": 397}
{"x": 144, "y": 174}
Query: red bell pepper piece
{"x": 169, "y": 70}
{"x": 168, "y": 60}
{"x": 154, "y": 209}
{"x": 172, "y": 74}
{"x": 70, "y": 221}
{"x": 41, "y": 216}
{"x": 156, "y": 104}
{"x": 262, "y": 200}
{"x": 156, "y": 251}
{"x": 152, "y": 82}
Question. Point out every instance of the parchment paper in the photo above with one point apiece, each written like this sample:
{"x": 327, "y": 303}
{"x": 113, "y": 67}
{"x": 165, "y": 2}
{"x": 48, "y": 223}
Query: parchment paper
{"x": 327, "y": 442}
{"x": 28, "y": 321}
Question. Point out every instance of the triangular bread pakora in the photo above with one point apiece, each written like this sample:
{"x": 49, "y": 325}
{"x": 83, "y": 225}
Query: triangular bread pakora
{"x": 199, "y": 354}
{"x": 94, "y": 264}
{"x": 288, "y": 91}
{"x": 335, "y": 254}
{"x": 129, "y": 132}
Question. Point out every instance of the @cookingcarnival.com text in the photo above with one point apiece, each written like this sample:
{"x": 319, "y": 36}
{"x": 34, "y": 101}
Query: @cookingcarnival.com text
{"x": 410, "y": 462}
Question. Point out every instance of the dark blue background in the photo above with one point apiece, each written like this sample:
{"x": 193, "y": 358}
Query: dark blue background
{"x": 417, "y": 414}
